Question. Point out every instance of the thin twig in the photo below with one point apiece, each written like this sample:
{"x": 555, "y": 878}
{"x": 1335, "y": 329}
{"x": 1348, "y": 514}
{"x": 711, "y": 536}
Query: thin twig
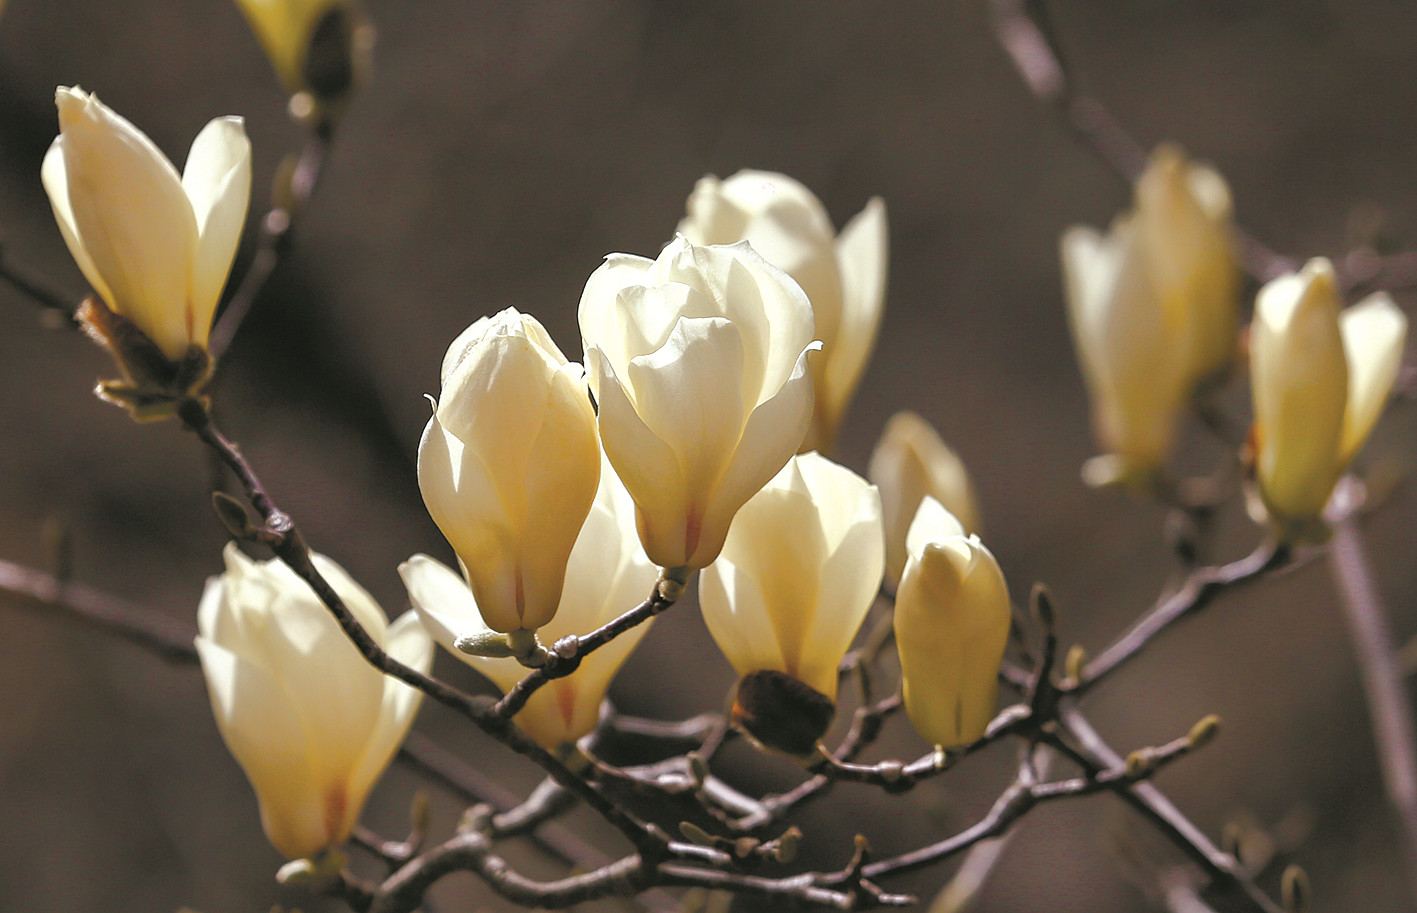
{"x": 168, "y": 638}
{"x": 55, "y": 304}
{"x": 1384, "y": 687}
{"x": 1196, "y": 591}
{"x": 274, "y": 240}
{"x": 1221, "y": 868}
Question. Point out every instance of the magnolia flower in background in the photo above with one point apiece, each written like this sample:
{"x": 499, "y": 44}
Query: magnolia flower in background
{"x": 318, "y": 46}
{"x": 951, "y": 625}
{"x": 910, "y": 462}
{"x": 1320, "y": 379}
{"x": 608, "y": 575}
{"x": 310, "y": 722}
{"x": 509, "y": 465}
{"x": 801, "y": 567}
{"x": 1152, "y": 306}
{"x": 156, "y": 247}
{"x": 844, "y": 276}
{"x": 699, "y": 363}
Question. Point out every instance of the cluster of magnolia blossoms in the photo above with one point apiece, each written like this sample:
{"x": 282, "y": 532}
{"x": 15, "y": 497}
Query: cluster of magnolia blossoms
{"x": 563, "y": 514}
{"x": 1154, "y": 311}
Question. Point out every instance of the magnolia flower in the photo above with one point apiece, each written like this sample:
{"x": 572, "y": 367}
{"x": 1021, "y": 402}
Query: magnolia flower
{"x": 156, "y": 247}
{"x": 844, "y": 277}
{"x": 310, "y": 722}
{"x": 1152, "y": 307}
{"x": 699, "y": 363}
{"x": 608, "y": 575}
{"x": 508, "y": 465}
{"x": 951, "y": 625}
{"x": 313, "y": 44}
{"x": 910, "y": 462}
{"x": 801, "y": 567}
{"x": 1320, "y": 379}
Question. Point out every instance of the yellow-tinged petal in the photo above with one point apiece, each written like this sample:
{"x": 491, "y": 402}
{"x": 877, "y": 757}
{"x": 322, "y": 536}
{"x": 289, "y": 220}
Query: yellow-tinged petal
{"x": 792, "y": 603}
{"x": 132, "y": 217}
{"x": 952, "y": 622}
{"x": 217, "y": 181}
{"x": 1374, "y": 332}
{"x": 911, "y": 461}
{"x": 1299, "y": 378}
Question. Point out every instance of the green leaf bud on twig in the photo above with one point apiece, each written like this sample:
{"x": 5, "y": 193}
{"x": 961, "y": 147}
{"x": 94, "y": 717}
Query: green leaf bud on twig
{"x": 1204, "y": 731}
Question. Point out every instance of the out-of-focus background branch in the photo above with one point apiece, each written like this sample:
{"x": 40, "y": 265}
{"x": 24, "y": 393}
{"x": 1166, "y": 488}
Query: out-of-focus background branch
{"x": 498, "y": 153}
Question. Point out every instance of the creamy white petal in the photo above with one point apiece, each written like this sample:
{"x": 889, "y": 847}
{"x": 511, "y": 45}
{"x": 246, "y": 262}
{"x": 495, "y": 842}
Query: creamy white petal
{"x": 1299, "y": 378}
{"x": 863, "y": 253}
{"x": 56, "y": 184}
{"x": 267, "y": 738}
{"x": 133, "y": 218}
{"x": 217, "y": 180}
{"x": 1374, "y": 332}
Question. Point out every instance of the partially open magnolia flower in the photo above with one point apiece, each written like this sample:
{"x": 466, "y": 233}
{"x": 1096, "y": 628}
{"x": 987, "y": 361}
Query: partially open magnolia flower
{"x": 699, "y": 363}
{"x": 800, "y": 569}
{"x": 509, "y": 464}
{"x": 844, "y": 276}
{"x": 1152, "y": 304}
{"x": 951, "y": 626}
{"x": 311, "y": 723}
{"x": 911, "y": 462}
{"x": 608, "y": 575}
{"x": 154, "y": 245}
{"x": 1320, "y": 379}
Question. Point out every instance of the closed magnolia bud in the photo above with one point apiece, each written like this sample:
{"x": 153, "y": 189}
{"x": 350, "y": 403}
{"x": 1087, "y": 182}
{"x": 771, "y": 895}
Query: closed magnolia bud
{"x": 800, "y": 569}
{"x": 910, "y": 462}
{"x": 154, "y": 245}
{"x": 311, "y": 723}
{"x": 509, "y": 464}
{"x": 1320, "y": 379}
{"x": 951, "y": 625}
{"x": 319, "y": 46}
{"x": 844, "y": 276}
{"x": 1152, "y": 308}
{"x": 699, "y": 363}
{"x": 608, "y": 575}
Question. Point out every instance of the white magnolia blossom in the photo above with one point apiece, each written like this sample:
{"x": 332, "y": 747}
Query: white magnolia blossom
{"x": 951, "y": 626}
{"x": 1320, "y": 380}
{"x": 844, "y": 276}
{"x": 608, "y": 575}
{"x": 154, "y": 245}
{"x": 1152, "y": 305}
{"x": 698, "y": 360}
{"x": 799, "y": 571}
{"x": 910, "y": 462}
{"x": 509, "y": 464}
{"x": 311, "y": 723}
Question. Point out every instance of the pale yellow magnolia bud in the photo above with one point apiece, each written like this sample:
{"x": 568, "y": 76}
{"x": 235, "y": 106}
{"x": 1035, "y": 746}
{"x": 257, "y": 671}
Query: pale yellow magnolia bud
{"x": 318, "y": 46}
{"x": 699, "y": 363}
{"x": 1320, "y": 379}
{"x": 801, "y": 567}
{"x": 1152, "y": 308}
{"x": 844, "y": 276}
{"x": 608, "y": 575}
{"x": 951, "y": 625}
{"x": 154, "y": 245}
{"x": 910, "y": 462}
{"x": 311, "y": 723}
{"x": 509, "y": 464}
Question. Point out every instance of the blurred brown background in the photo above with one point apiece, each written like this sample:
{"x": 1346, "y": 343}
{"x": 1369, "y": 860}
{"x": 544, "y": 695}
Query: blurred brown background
{"x": 501, "y": 150}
